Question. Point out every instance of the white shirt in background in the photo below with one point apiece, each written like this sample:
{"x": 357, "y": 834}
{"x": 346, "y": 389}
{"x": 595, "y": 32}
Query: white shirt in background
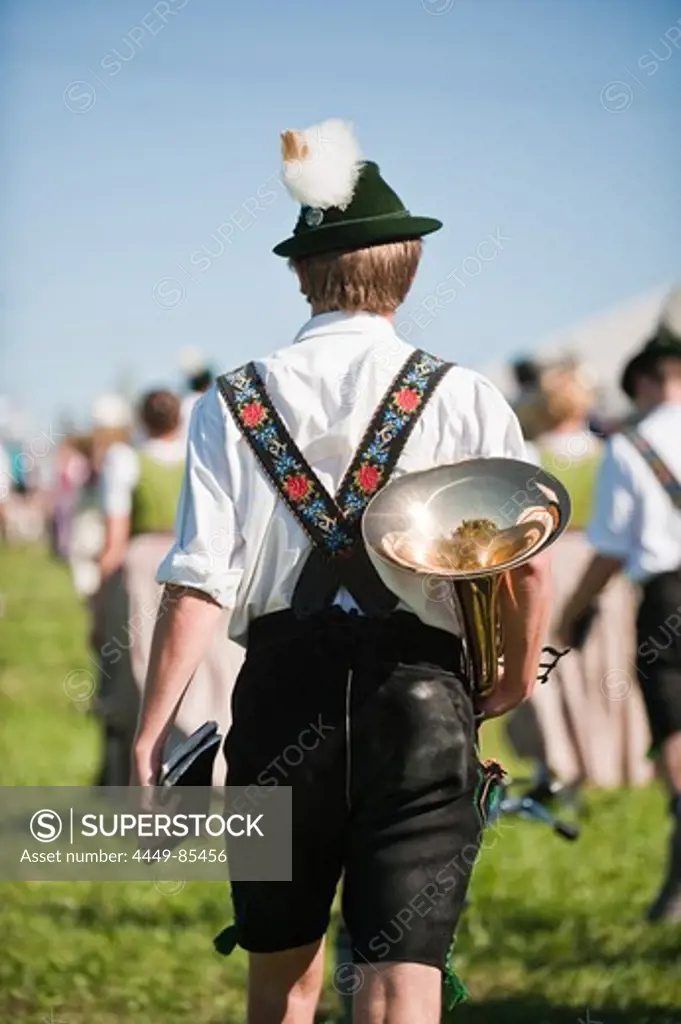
{"x": 186, "y": 410}
{"x": 634, "y": 518}
{"x": 121, "y": 470}
{"x": 236, "y": 540}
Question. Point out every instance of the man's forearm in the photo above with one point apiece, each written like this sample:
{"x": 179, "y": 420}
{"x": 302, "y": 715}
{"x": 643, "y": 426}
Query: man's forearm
{"x": 184, "y": 627}
{"x": 115, "y": 545}
{"x": 524, "y": 610}
{"x": 597, "y": 575}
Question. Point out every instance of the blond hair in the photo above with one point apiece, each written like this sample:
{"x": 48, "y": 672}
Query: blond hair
{"x": 565, "y": 394}
{"x": 372, "y": 280}
{"x": 103, "y": 438}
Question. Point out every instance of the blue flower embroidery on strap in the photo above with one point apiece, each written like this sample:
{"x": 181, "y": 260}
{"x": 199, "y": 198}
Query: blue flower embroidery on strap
{"x": 245, "y": 391}
{"x": 393, "y": 418}
{"x": 316, "y": 507}
{"x": 376, "y": 450}
{"x": 266, "y": 434}
{"x": 285, "y": 464}
{"x": 378, "y": 455}
{"x": 337, "y": 540}
{"x": 354, "y": 501}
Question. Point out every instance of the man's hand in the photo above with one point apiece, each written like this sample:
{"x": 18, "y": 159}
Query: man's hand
{"x": 596, "y": 577}
{"x": 503, "y": 698}
{"x": 146, "y": 763}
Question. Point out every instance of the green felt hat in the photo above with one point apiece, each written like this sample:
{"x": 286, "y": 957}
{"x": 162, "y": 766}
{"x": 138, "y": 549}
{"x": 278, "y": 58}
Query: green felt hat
{"x": 345, "y": 203}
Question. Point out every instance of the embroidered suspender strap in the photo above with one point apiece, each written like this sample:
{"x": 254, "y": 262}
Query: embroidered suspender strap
{"x": 282, "y": 461}
{"x": 389, "y": 431}
{"x": 659, "y": 467}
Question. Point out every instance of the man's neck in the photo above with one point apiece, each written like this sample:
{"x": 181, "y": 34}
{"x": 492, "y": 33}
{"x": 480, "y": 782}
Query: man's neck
{"x": 352, "y": 312}
{"x": 672, "y": 393}
{"x": 172, "y": 435}
{"x": 571, "y": 426}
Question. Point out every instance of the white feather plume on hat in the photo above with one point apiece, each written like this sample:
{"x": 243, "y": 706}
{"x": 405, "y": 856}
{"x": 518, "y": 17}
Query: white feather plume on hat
{"x": 322, "y": 164}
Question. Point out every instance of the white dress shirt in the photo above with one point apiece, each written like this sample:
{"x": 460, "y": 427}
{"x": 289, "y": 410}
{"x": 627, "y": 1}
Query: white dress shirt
{"x": 634, "y": 518}
{"x": 236, "y": 540}
{"x": 121, "y": 470}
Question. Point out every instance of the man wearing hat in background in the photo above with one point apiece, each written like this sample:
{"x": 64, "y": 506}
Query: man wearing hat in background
{"x": 636, "y": 527}
{"x": 198, "y": 378}
{"x": 284, "y": 454}
{"x": 639, "y": 381}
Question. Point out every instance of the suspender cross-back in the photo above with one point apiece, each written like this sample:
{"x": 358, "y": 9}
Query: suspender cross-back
{"x": 338, "y": 557}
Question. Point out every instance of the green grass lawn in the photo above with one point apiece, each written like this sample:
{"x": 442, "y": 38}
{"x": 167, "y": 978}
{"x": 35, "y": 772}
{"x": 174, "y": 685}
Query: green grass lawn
{"x": 554, "y": 928}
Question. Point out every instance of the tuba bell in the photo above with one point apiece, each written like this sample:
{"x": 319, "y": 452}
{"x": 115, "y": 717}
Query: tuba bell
{"x": 445, "y": 539}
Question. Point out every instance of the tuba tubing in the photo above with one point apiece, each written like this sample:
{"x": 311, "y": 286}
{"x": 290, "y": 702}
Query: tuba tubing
{"x": 476, "y": 602}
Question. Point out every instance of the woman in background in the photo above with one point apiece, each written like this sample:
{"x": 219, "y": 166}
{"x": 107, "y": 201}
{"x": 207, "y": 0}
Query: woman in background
{"x": 72, "y": 472}
{"x": 111, "y": 422}
{"x": 140, "y": 489}
{"x": 590, "y": 718}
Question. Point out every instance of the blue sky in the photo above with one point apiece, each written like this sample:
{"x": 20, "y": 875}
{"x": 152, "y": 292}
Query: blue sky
{"x": 137, "y": 128}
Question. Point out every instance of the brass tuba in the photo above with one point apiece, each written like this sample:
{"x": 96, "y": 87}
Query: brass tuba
{"x": 444, "y": 539}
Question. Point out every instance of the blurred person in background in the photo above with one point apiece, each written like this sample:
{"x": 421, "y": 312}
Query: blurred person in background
{"x": 5, "y": 486}
{"x": 639, "y": 382}
{"x": 198, "y": 379}
{"x": 636, "y": 528}
{"x": 526, "y": 373}
{"x": 111, "y": 420}
{"x": 84, "y": 525}
{"x": 73, "y": 470}
{"x": 140, "y": 490}
{"x": 24, "y": 501}
{"x": 584, "y": 735}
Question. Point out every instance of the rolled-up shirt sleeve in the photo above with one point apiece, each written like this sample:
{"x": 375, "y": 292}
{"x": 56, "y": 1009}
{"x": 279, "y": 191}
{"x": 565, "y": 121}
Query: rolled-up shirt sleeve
{"x": 611, "y": 530}
{"x": 209, "y": 549}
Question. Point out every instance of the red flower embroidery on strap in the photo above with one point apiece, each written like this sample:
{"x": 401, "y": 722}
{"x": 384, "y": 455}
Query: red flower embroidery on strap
{"x": 253, "y": 414}
{"x": 407, "y": 399}
{"x": 297, "y": 487}
{"x": 368, "y": 478}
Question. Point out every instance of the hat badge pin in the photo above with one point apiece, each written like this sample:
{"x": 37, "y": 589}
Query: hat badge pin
{"x": 314, "y": 216}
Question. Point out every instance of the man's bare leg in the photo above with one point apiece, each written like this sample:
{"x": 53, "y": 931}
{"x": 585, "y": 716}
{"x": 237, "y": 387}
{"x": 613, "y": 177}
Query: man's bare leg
{"x": 284, "y": 988}
{"x": 398, "y": 993}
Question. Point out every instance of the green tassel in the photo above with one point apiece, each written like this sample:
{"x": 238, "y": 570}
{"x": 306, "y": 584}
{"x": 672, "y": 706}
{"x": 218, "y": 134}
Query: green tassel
{"x": 455, "y": 990}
